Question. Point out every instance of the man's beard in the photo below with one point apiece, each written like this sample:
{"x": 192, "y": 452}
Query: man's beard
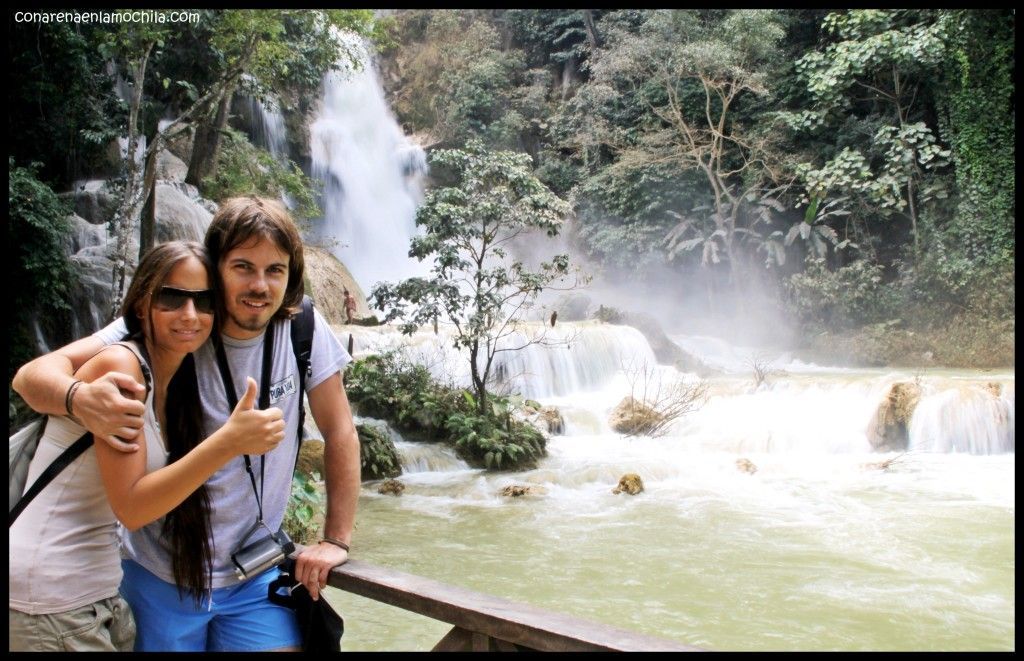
{"x": 252, "y": 326}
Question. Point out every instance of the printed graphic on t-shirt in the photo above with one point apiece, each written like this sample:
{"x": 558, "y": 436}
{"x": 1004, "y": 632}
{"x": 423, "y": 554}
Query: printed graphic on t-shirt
{"x": 282, "y": 389}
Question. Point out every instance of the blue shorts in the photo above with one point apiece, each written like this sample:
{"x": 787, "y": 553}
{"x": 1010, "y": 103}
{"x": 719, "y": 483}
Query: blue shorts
{"x": 240, "y": 617}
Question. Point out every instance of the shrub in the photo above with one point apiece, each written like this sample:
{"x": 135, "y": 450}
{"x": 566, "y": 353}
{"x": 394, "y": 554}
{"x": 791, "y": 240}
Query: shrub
{"x": 390, "y": 387}
{"x": 850, "y": 296}
{"x": 244, "y": 169}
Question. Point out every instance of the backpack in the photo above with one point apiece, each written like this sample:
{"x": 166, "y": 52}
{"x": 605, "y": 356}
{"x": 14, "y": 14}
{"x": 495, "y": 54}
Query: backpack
{"x": 302, "y": 346}
{"x": 22, "y": 448}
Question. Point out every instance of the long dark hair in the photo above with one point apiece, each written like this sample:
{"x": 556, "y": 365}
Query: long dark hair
{"x": 187, "y": 526}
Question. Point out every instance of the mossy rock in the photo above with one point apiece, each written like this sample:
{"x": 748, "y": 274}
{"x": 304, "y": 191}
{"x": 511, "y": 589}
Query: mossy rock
{"x": 391, "y": 487}
{"x": 378, "y": 456}
{"x": 311, "y": 458}
{"x": 889, "y": 428}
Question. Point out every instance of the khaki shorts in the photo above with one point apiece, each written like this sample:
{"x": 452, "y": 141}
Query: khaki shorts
{"x": 102, "y": 626}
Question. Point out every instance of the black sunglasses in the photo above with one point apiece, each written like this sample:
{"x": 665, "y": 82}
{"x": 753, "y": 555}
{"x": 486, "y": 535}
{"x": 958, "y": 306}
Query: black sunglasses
{"x": 171, "y": 298}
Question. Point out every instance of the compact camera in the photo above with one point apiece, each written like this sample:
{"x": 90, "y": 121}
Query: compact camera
{"x": 262, "y": 554}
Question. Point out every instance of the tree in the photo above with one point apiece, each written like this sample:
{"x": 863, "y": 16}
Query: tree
{"x": 666, "y": 90}
{"x": 455, "y": 80}
{"x": 41, "y": 276}
{"x": 474, "y": 283}
{"x": 879, "y": 65}
{"x": 657, "y": 399}
{"x": 240, "y": 42}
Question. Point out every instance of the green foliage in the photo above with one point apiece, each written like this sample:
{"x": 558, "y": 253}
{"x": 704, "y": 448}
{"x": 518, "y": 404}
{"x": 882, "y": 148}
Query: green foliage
{"x": 378, "y": 456}
{"x": 41, "y": 278}
{"x": 456, "y": 81}
{"x": 979, "y": 97}
{"x": 493, "y": 440}
{"x": 244, "y": 169}
{"x": 389, "y": 387}
{"x": 849, "y": 296}
{"x": 304, "y": 515}
{"x": 870, "y": 43}
{"x": 61, "y": 107}
{"x": 550, "y": 36}
{"x": 679, "y": 88}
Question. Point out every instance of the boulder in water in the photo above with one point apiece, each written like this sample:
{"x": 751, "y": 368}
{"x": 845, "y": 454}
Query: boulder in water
{"x": 169, "y": 167}
{"x": 93, "y": 201}
{"x": 746, "y": 466}
{"x": 547, "y": 419}
{"x": 182, "y": 217}
{"x": 632, "y": 417}
{"x": 517, "y": 490}
{"x": 630, "y": 483}
{"x": 888, "y": 430}
{"x": 391, "y": 487}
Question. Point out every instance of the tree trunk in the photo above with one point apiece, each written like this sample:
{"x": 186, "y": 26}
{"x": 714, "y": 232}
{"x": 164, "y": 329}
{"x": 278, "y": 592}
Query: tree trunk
{"x": 593, "y": 36}
{"x": 148, "y": 229}
{"x": 125, "y": 215}
{"x": 913, "y": 214}
{"x": 206, "y": 147}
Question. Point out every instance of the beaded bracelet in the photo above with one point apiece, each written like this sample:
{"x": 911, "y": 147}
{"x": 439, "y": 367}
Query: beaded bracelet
{"x": 70, "y": 396}
{"x": 336, "y": 542}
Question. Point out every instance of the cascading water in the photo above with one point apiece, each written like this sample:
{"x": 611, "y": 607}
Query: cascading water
{"x": 269, "y": 130}
{"x": 372, "y": 177}
{"x": 584, "y": 368}
{"x": 767, "y": 520}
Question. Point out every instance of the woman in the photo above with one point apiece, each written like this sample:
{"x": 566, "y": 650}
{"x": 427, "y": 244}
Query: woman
{"x": 64, "y": 565}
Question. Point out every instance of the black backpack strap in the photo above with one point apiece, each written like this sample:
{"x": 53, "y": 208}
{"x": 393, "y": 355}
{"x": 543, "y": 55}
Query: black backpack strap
{"x": 83, "y": 443}
{"x": 53, "y": 470}
{"x": 302, "y": 345}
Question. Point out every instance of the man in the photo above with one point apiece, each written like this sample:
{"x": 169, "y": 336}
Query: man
{"x": 350, "y": 307}
{"x": 259, "y": 259}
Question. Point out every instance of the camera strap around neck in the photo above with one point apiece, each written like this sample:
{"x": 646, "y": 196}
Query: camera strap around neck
{"x": 263, "y": 402}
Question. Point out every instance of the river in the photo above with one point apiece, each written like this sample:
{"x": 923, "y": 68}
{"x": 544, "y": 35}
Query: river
{"x": 825, "y": 546}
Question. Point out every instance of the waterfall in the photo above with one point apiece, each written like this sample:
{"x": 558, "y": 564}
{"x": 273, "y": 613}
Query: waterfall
{"x": 268, "y": 126}
{"x": 372, "y": 177}
{"x": 970, "y": 418}
{"x": 573, "y": 357}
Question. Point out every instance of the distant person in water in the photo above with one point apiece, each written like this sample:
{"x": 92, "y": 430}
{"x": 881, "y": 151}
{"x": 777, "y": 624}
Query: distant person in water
{"x": 350, "y": 307}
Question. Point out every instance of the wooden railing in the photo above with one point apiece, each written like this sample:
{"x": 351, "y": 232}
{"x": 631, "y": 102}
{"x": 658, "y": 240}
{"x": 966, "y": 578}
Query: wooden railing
{"x": 486, "y": 623}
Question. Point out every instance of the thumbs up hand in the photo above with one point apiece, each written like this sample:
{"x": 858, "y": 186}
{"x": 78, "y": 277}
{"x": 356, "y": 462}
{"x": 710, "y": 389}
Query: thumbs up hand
{"x": 253, "y": 431}
{"x": 248, "y": 401}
